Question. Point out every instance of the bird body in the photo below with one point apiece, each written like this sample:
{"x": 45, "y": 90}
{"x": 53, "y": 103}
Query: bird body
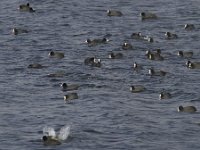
{"x": 164, "y": 95}
{"x": 114, "y": 13}
{"x": 137, "y": 88}
{"x": 152, "y": 72}
{"x": 26, "y": 7}
{"x": 193, "y": 65}
{"x": 50, "y": 137}
{"x": 170, "y": 35}
{"x": 69, "y": 87}
{"x": 95, "y": 42}
{"x": 70, "y": 96}
{"x": 115, "y": 55}
{"x": 17, "y": 31}
{"x": 35, "y": 66}
{"x": 92, "y": 61}
{"x": 148, "y": 15}
{"x": 185, "y": 54}
{"x": 58, "y": 55}
{"x": 127, "y": 46}
{"x": 189, "y": 27}
{"x": 189, "y": 109}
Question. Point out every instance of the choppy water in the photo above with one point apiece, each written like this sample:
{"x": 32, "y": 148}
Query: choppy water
{"x": 106, "y": 115}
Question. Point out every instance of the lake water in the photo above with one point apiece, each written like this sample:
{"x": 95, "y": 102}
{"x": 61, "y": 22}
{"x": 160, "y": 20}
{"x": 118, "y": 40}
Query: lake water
{"x": 106, "y": 115}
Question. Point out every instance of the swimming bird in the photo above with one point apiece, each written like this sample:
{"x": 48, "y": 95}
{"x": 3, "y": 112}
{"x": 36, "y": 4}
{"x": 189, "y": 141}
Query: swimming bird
{"x": 156, "y": 52}
{"x": 50, "y": 137}
{"x": 26, "y": 7}
{"x": 137, "y": 67}
{"x": 137, "y": 35}
{"x": 152, "y": 72}
{"x": 35, "y": 66}
{"x": 70, "y": 96}
{"x": 58, "y": 74}
{"x": 164, "y": 95}
{"x": 148, "y": 15}
{"x": 115, "y": 55}
{"x": 58, "y": 55}
{"x": 17, "y": 31}
{"x": 154, "y": 55}
{"x": 189, "y": 109}
{"x": 186, "y": 54}
{"x": 137, "y": 88}
{"x": 148, "y": 39}
{"x": 69, "y": 87}
{"x": 189, "y": 27}
{"x": 114, "y": 13}
{"x": 170, "y": 35}
{"x": 193, "y": 65}
{"x": 127, "y": 46}
{"x": 92, "y": 61}
{"x": 95, "y": 42}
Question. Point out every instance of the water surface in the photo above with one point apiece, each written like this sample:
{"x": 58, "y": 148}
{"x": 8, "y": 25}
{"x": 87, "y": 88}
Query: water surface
{"x": 106, "y": 115}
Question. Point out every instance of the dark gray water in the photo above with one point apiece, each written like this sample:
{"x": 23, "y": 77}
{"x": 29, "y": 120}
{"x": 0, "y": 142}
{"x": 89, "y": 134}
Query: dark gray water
{"x": 106, "y": 115}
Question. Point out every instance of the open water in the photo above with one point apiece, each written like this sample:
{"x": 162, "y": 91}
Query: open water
{"x": 106, "y": 115}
